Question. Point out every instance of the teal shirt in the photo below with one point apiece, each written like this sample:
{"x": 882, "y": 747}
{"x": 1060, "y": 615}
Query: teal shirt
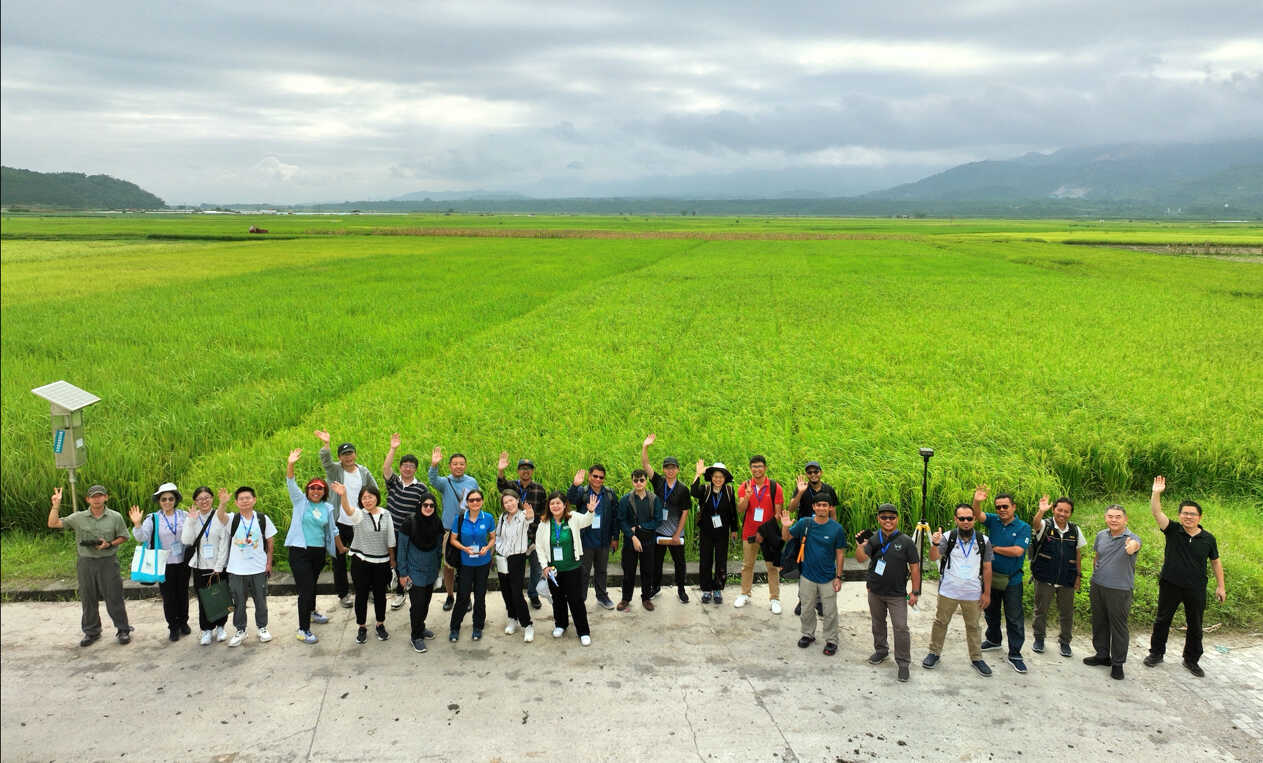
{"x": 315, "y": 516}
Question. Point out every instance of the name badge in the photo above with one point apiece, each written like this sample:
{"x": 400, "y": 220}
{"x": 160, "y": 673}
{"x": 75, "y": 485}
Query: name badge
{"x": 664, "y": 514}
{"x": 473, "y": 550}
{"x": 717, "y": 521}
{"x": 758, "y": 515}
{"x": 208, "y": 549}
{"x": 316, "y": 513}
{"x": 557, "y": 554}
{"x": 596, "y": 522}
{"x": 880, "y": 567}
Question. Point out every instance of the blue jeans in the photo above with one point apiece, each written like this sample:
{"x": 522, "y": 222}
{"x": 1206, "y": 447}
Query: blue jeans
{"x": 1011, "y": 599}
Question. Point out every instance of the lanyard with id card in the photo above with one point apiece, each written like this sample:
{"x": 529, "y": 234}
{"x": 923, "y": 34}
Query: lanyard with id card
{"x": 880, "y": 567}
{"x": 558, "y": 553}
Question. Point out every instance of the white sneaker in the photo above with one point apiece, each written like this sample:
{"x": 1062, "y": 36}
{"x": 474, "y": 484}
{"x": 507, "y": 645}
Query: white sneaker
{"x": 265, "y": 635}
{"x": 220, "y": 633}
{"x": 741, "y": 601}
{"x": 206, "y": 638}
{"x": 776, "y": 606}
{"x": 237, "y": 638}
{"x": 347, "y": 601}
{"x": 558, "y": 632}
{"x": 529, "y": 634}
{"x": 585, "y": 640}
{"x": 398, "y": 601}
{"x": 511, "y": 628}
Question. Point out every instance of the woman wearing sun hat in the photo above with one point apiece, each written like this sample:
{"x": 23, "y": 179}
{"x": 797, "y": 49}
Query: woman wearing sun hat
{"x": 312, "y": 529}
{"x": 716, "y": 521}
{"x": 168, "y": 522}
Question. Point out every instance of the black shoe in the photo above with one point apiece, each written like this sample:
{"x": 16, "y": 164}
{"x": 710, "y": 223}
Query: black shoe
{"x": 830, "y": 649}
{"x": 877, "y": 658}
{"x": 361, "y": 635}
{"x": 903, "y": 673}
{"x": 174, "y": 635}
{"x": 427, "y": 633}
{"x": 448, "y": 603}
{"x": 382, "y": 635}
{"x": 1151, "y": 660}
{"x": 535, "y": 602}
{"x": 1065, "y": 650}
{"x": 1194, "y": 668}
{"x": 1116, "y": 672}
{"x": 798, "y": 608}
{"x": 1096, "y": 660}
{"x": 806, "y": 641}
{"x": 1038, "y": 646}
{"x": 125, "y": 636}
{"x": 418, "y": 645}
{"x": 684, "y": 597}
{"x": 983, "y": 668}
{"x": 90, "y": 640}
{"x": 930, "y": 662}
{"x": 1017, "y": 664}
{"x": 185, "y": 630}
{"x": 988, "y": 645}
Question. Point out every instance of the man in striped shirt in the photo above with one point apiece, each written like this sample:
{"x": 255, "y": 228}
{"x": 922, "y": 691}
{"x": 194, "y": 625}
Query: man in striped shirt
{"x": 403, "y": 498}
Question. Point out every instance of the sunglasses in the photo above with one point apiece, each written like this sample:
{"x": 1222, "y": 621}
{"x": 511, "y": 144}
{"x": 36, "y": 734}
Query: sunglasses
{"x": 1004, "y": 505}
{"x": 638, "y": 480}
{"x": 598, "y": 476}
{"x": 887, "y": 518}
{"x": 964, "y": 519}
{"x": 167, "y": 499}
{"x": 474, "y": 500}
{"x": 813, "y": 471}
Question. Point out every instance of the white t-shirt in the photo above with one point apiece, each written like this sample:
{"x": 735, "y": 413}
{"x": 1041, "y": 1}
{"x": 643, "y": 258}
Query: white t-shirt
{"x": 249, "y": 557}
{"x": 960, "y": 580}
{"x": 354, "y": 484}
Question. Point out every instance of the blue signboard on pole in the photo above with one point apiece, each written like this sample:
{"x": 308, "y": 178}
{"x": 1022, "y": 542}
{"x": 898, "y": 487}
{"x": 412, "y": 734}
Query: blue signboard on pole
{"x": 59, "y": 440}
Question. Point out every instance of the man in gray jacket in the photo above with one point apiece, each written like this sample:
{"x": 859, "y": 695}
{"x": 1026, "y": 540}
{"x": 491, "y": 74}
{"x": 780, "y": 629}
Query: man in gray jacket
{"x": 346, "y": 471}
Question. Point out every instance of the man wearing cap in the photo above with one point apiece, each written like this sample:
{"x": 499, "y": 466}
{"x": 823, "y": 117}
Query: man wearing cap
{"x": 759, "y": 500}
{"x": 716, "y": 521}
{"x": 1011, "y": 537}
{"x": 807, "y": 489}
{"x": 891, "y": 557}
{"x": 404, "y": 493}
{"x": 823, "y": 551}
{"x": 98, "y": 534}
{"x": 530, "y": 493}
{"x": 676, "y": 503}
{"x": 454, "y": 487}
{"x": 639, "y": 511}
{"x": 600, "y": 539}
{"x": 354, "y": 476}
{"x": 1113, "y": 580}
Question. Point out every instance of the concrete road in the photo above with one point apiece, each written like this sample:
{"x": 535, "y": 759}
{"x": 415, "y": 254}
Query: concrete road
{"x": 684, "y": 682}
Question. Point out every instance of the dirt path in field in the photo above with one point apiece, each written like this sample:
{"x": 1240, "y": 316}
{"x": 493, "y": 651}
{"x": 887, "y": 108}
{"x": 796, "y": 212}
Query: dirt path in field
{"x": 616, "y": 234}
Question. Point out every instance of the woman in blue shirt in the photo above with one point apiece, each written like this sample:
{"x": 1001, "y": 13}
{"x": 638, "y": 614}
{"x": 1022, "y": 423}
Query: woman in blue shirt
{"x": 311, "y": 535}
{"x": 474, "y": 534}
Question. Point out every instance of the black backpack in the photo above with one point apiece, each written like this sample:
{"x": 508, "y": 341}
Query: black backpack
{"x": 946, "y": 561}
{"x": 232, "y": 533}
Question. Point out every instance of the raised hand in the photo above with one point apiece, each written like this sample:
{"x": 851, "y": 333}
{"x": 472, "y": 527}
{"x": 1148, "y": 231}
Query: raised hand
{"x": 980, "y": 494}
{"x": 323, "y": 436}
{"x": 503, "y": 463}
{"x": 528, "y": 512}
{"x": 224, "y": 495}
{"x": 580, "y": 476}
{"x": 786, "y": 519}
{"x": 436, "y": 456}
{"x": 338, "y": 488}
{"x": 649, "y": 440}
{"x": 56, "y": 497}
{"x": 294, "y": 455}
{"x": 395, "y": 441}
{"x": 937, "y": 537}
{"x": 801, "y": 482}
{"x": 1159, "y": 484}
{"x": 701, "y": 467}
{"x": 1043, "y": 504}
{"x": 594, "y": 500}
{"x": 135, "y": 515}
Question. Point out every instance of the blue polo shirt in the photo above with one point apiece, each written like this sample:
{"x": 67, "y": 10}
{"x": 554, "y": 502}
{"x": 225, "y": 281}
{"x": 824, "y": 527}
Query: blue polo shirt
{"x": 823, "y": 541}
{"x": 1015, "y": 533}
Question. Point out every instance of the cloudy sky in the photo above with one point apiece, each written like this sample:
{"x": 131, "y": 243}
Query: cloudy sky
{"x": 277, "y": 102}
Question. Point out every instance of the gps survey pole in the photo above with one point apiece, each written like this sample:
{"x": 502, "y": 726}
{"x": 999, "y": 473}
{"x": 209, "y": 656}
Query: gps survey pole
{"x": 923, "y": 529}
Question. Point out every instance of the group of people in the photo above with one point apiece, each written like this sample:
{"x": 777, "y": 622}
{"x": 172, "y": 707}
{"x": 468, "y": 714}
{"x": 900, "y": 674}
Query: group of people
{"x": 557, "y": 545}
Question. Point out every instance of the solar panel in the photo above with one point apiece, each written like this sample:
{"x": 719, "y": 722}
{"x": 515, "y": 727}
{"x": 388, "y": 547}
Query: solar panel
{"x": 66, "y": 395}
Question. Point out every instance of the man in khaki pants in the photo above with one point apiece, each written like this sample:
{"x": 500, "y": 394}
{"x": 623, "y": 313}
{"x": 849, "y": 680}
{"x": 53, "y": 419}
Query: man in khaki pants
{"x": 965, "y": 582}
{"x": 759, "y": 500}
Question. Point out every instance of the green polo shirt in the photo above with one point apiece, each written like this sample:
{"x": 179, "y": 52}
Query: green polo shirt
{"x": 108, "y": 526}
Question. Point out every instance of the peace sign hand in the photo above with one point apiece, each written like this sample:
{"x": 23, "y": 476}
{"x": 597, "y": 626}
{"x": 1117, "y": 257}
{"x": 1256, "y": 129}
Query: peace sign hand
{"x": 56, "y": 497}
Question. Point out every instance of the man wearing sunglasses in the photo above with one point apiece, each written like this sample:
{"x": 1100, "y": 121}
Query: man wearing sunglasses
{"x": 1011, "y": 537}
{"x": 964, "y": 582}
{"x": 601, "y": 539}
{"x": 891, "y": 557}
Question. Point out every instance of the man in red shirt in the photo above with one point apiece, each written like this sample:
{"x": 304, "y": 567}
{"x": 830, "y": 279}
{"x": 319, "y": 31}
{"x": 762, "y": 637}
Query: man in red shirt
{"x": 758, "y": 500}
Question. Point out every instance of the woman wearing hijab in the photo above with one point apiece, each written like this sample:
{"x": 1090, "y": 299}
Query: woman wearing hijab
{"x": 716, "y": 522}
{"x": 311, "y": 534}
{"x": 168, "y": 522}
{"x": 512, "y": 540}
{"x": 203, "y": 538}
{"x": 560, "y": 552}
{"x": 418, "y": 556}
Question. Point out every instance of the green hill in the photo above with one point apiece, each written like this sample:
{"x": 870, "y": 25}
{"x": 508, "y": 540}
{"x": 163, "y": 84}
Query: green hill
{"x": 72, "y": 190}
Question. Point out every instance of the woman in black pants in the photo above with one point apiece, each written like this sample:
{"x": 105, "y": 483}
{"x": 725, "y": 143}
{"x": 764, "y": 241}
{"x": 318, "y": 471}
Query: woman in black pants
{"x": 372, "y": 557}
{"x": 513, "y": 533}
{"x": 474, "y": 535}
{"x": 419, "y": 556}
{"x": 716, "y": 522}
{"x": 168, "y": 522}
{"x": 312, "y": 529}
{"x": 560, "y": 553}
{"x": 203, "y": 536}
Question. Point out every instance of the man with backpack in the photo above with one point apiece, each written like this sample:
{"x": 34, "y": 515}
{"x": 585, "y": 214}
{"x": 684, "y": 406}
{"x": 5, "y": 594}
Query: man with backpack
{"x": 891, "y": 557}
{"x": 964, "y": 582}
{"x": 822, "y": 550}
{"x": 677, "y": 501}
{"x": 759, "y": 501}
{"x": 1056, "y": 566}
{"x": 808, "y": 486}
{"x": 247, "y": 558}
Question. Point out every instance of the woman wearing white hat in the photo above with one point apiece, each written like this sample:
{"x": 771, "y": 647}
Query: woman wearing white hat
{"x": 716, "y": 521}
{"x": 168, "y": 522}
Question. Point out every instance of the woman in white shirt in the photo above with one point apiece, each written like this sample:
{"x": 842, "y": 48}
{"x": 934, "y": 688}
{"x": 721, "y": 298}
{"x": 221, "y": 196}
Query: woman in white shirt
{"x": 512, "y": 540}
{"x": 203, "y": 537}
{"x": 372, "y": 557}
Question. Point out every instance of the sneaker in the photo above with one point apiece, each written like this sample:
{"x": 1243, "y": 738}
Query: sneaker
{"x": 623, "y": 605}
{"x": 477, "y": 634}
{"x": 983, "y": 669}
{"x": 798, "y": 609}
{"x": 903, "y": 674}
{"x": 346, "y": 601}
{"x": 382, "y": 635}
{"x": 319, "y": 619}
{"x": 605, "y": 602}
{"x": 528, "y": 634}
{"x": 684, "y": 597}
{"x": 719, "y": 597}
{"x": 741, "y": 601}
{"x": 1065, "y": 650}
{"x": 237, "y": 638}
{"x": 877, "y": 658}
{"x": 90, "y": 640}
{"x": 1194, "y": 668}
{"x": 453, "y": 636}
{"x": 427, "y": 633}
{"x": 830, "y": 649}
{"x": 265, "y": 635}
{"x": 647, "y": 604}
{"x": 1038, "y": 646}
{"x": 536, "y": 604}
{"x": 1018, "y": 664}
{"x": 448, "y": 603}
{"x": 1116, "y": 672}
{"x": 655, "y": 593}
{"x": 418, "y": 645}
{"x": 220, "y": 633}
{"x": 806, "y": 641}
{"x": 185, "y": 630}
{"x": 585, "y": 640}
{"x": 1096, "y": 660}
{"x": 558, "y": 632}
{"x": 206, "y": 638}
{"x": 125, "y": 636}
{"x": 361, "y": 635}
{"x": 397, "y": 601}
{"x": 174, "y": 635}
{"x": 1151, "y": 660}
{"x": 776, "y": 606}
{"x": 307, "y": 637}
{"x": 988, "y": 645}
{"x": 706, "y": 597}
{"x": 930, "y": 662}
{"x": 511, "y": 628}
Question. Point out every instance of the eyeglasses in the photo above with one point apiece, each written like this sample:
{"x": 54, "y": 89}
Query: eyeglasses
{"x": 1189, "y": 514}
{"x": 964, "y": 519}
{"x": 637, "y": 480}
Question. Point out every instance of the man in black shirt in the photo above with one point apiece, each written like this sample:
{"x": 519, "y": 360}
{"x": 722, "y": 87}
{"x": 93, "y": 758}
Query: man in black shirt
{"x": 677, "y": 501}
{"x": 528, "y": 492}
{"x": 638, "y": 514}
{"x": 805, "y": 493}
{"x": 891, "y": 557}
{"x": 1183, "y": 578}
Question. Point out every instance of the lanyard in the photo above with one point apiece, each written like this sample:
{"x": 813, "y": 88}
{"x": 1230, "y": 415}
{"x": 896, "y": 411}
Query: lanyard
{"x": 249, "y": 528}
{"x": 964, "y": 550}
{"x": 556, "y": 533}
{"x": 521, "y": 491}
{"x": 715, "y": 499}
{"x": 667, "y": 490}
{"x": 174, "y": 530}
{"x": 881, "y": 538}
{"x": 758, "y": 494}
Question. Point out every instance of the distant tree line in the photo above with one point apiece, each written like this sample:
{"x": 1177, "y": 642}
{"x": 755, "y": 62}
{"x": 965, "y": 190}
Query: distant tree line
{"x": 72, "y": 190}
